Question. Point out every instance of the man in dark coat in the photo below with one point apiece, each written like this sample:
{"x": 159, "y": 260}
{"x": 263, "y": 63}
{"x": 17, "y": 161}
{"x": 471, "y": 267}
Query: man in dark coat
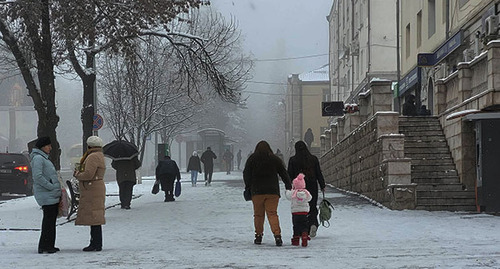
{"x": 207, "y": 158}
{"x": 238, "y": 158}
{"x": 167, "y": 171}
{"x": 126, "y": 179}
{"x": 409, "y": 108}
{"x": 228, "y": 160}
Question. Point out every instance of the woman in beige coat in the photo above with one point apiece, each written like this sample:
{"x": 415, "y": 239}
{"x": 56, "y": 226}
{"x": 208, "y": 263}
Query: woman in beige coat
{"x": 92, "y": 192}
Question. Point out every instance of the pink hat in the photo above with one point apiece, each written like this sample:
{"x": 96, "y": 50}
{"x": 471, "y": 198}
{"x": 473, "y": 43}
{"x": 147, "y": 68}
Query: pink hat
{"x": 299, "y": 182}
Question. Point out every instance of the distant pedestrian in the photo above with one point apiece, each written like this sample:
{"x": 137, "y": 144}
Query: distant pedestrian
{"x": 304, "y": 162}
{"x": 238, "y": 158}
{"x": 126, "y": 178}
{"x": 194, "y": 166}
{"x": 228, "y": 160}
{"x": 47, "y": 191}
{"x": 261, "y": 178}
{"x": 207, "y": 158}
{"x": 309, "y": 137}
{"x": 423, "y": 111}
{"x": 279, "y": 154}
{"x": 300, "y": 198}
{"x": 409, "y": 108}
{"x": 167, "y": 171}
{"x": 91, "y": 206}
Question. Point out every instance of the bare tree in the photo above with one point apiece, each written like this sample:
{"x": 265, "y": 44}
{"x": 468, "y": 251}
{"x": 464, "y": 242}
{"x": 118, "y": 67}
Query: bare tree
{"x": 163, "y": 86}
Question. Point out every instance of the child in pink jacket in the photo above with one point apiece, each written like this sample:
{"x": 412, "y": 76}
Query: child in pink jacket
{"x": 300, "y": 198}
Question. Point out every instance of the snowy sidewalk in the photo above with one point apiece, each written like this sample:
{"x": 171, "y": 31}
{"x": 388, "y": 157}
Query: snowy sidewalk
{"x": 212, "y": 227}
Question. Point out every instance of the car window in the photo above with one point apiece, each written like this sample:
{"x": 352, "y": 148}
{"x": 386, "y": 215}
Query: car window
{"x": 12, "y": 158}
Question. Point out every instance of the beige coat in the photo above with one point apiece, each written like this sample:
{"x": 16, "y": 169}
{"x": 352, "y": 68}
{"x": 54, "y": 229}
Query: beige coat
{"x": 92, "y": 189}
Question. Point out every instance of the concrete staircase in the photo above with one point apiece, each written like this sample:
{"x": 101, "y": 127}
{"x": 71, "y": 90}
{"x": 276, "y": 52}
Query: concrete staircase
{"x": 432, "y": 168}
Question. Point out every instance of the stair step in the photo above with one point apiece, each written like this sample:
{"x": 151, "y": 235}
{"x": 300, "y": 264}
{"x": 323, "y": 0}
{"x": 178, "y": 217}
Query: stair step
{"x": 432, "y": 167}
{"x": 445, "y": 194}
{"x": 422, "y": 156}
{"x": 431, "y": 162}
{"x": 423, "y": 137}
{"x": 440, "y": 186}
{"x": 426, "y": 150}
{"x": 435, "y": 174}
{"x": 425, "y": 144}
{"x": 442, "y": 180}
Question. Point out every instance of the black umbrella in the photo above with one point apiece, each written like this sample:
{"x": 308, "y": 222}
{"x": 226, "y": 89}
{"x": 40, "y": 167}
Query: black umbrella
{"x": 120, "y": 150}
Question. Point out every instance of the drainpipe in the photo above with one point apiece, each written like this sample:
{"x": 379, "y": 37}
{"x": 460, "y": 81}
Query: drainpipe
{"x": 397, "y": 103}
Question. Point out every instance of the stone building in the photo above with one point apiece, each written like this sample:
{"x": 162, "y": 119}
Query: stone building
{"x": 304, "y": 95}
{"x": 449, "y": 61}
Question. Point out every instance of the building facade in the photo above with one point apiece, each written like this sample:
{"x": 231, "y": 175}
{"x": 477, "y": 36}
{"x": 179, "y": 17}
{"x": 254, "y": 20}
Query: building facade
{"x": 305, "y": 92}
{"x": 362, "y": 45}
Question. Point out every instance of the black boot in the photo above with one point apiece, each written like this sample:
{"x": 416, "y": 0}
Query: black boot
{"x": 258, "y": 239}
{"x": 279, "y": 241}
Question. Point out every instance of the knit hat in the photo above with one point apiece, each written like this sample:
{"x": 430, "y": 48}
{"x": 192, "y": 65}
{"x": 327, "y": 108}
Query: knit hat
{"x": 299, "y": 182}
{"x": 42, "y": 141}
{"x": 195, "y": 153}
{"x": 94, "y": 141}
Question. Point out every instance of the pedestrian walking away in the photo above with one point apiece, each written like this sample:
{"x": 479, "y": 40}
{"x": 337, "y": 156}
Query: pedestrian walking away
{"x": 194, "y": 166}
{"x": 299, "y": 197}
{"x": 92, "y": 192}
{"x": 126, "y": 179}
{"x": 238, "y": 158}
{"x": 207, "y": 158}
{"x": 304, "y": 162}
{"x": 228, "y": 161}
{"x": 166, "y": 172}
{"x": 47, "y": 191}
{"x": 261, "y": 178}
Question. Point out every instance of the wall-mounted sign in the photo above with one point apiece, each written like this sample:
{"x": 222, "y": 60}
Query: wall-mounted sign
{"x": 329, "y": 109}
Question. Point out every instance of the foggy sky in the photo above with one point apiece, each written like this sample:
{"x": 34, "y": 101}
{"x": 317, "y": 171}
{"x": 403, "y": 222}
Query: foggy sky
{"x": 277, "y": 29}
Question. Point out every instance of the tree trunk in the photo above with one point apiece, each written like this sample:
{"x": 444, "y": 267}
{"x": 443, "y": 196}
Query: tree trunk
{"x": 87, "y": 116}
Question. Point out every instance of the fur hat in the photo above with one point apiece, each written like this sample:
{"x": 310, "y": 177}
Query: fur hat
{"x": 94, "y": 141}
{"x": 42, "y": 142}
{"x": 299, "y": 182}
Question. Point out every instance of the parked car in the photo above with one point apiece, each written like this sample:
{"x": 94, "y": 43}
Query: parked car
{"x": 15, "y": 174}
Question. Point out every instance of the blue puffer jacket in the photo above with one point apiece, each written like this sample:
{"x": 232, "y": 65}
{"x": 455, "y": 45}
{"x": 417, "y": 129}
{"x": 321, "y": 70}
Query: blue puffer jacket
{"x": 46, "y": 186}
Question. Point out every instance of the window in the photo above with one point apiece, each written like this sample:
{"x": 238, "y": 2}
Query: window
{"x": 326, "y": 95}
{"x": 408, "y": 33}
{"x": 419, "y": 29}
{"x": 431, "y": 17}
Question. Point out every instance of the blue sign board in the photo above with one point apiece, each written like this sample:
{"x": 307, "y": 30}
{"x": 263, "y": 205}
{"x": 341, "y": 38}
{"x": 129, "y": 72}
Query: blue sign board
{"x": 98, "y": 122}
{"x": 410, "y": 80}
{"x": 431, "y": 59}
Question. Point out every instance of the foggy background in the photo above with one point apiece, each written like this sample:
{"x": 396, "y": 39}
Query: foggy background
{"x": 281, "y": 35}
{"x": 275, "y": 31}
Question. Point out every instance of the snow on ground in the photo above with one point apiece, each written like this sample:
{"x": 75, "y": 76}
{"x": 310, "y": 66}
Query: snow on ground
{"x": 212, "y": 227}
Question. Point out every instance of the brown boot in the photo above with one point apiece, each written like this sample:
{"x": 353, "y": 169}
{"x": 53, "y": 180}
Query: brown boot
{"x": 305, "y": 237}
{"x": 295, "y": 240}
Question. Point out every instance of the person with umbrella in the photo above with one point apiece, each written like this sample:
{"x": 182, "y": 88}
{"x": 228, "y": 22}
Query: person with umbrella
{"x": 125, "y": 162}
{"x": 167, "y": 171}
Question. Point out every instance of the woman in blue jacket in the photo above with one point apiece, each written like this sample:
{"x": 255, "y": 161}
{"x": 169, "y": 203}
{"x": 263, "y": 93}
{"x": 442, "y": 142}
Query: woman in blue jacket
{"x": 47, "y": 191}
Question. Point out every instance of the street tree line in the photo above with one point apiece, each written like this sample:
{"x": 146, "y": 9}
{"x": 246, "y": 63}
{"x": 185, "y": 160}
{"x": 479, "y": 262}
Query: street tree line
{"x": 42, "y": 37}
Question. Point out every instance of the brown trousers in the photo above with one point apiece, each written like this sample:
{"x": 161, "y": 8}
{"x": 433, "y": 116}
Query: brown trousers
{"x": 266, "y": 204}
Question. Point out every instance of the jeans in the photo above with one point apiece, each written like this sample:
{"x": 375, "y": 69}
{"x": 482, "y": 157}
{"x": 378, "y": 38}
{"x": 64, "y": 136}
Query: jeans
{"x": 194, "y": 176}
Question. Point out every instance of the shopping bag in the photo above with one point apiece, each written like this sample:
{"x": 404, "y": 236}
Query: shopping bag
{"x": 63, "y": 209}
{"x": 156, "y": 187}
{"x": 177, "y": 191}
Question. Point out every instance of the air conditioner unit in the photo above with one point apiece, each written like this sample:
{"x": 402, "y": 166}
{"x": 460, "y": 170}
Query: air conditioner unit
{"x": 491, "y": 24}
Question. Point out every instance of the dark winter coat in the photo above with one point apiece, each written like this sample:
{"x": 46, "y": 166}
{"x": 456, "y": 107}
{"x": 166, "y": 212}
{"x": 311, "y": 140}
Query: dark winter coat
{"x": 207, "y": 158}
{"x": 125, "y": 170}
{"x": 313, "y": 177}
{"x": 167, "y": 167}
{"x": 194, "y": 164}
{"x": 261, "y": 174}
